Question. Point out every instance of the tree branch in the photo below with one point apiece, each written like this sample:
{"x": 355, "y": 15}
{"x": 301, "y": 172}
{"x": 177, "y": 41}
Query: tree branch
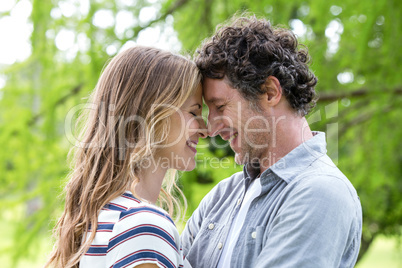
{"x": 365, "y": 245}
{"x": 331, "y": 96}
{"x": 73, "y": 92}
{"x": 62, "y": 100}
{"x": 178, "y": 4}
{"x": 363, "y": 118}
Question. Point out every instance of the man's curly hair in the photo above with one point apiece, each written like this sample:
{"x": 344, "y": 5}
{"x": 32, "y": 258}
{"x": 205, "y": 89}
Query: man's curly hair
{"x": 249, "y": 50}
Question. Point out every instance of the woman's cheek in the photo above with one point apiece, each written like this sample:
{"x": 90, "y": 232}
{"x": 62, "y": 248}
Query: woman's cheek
{"x": 193, "y": 126}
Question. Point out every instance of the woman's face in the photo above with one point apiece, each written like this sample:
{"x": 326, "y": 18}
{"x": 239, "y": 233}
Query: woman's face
{"x": 186, "y": 126}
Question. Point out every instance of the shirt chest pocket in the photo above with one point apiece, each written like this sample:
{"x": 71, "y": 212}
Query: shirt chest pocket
{"x": 253, "y": 239}
{"x": 210, "y": 233}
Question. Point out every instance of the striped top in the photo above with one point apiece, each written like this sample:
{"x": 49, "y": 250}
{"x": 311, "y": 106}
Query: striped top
{"x": 131, "y": 232}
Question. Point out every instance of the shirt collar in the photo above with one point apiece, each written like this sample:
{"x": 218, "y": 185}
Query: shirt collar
{"x": 250, "y": 172}
{"x": 301, "y": 157}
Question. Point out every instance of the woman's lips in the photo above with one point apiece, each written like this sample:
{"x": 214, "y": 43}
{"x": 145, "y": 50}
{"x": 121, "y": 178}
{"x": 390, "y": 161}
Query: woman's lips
{"x": 192, "y": 145}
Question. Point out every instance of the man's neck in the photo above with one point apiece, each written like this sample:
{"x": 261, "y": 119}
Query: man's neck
{"x": 289, "y": 134}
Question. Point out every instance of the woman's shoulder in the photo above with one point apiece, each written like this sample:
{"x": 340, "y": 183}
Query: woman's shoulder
{"x": 135, "y": 210}
{"x": 126, "y": 212}
{"x": 144, "y": 232}
{"x": 136, "y": 217}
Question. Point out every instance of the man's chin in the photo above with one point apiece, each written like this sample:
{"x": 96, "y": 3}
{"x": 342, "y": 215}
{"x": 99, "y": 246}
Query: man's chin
{"x": 242, "y": 159}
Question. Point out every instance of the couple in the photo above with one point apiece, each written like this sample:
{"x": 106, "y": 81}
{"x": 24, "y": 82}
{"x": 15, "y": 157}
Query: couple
{"x": 290, "y": 207}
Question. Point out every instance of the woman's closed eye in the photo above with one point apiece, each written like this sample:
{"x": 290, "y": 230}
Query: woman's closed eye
{"x": 195, "y": 110}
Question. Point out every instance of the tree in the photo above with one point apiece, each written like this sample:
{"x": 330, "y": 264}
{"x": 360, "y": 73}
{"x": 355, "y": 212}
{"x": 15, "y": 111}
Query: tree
{"x": 354, "y": 47}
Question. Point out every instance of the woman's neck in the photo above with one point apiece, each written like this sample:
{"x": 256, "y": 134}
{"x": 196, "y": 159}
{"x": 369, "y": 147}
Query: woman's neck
{"x": 150, "y": 183}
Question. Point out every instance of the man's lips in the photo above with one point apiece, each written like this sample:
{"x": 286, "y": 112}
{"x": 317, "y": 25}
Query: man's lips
{"x": 226, "y": 135}
{"x": 230, "y": 137}
{"x": 233, "y": 137}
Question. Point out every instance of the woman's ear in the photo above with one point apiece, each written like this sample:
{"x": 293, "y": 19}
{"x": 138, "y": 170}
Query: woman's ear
{"x": 273, "y": 90}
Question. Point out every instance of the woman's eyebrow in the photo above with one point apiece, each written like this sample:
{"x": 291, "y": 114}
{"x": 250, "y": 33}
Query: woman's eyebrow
{"x": 197, "y": 104}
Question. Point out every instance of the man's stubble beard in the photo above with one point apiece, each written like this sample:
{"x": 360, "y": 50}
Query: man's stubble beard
{"x": 250, "y": 154}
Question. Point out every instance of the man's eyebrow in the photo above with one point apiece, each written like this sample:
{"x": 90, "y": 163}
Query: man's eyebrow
{"x": 213, "y": 100}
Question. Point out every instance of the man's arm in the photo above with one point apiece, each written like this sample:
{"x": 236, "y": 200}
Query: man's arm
{"x": 319, "y": 225}
{"x": 191, "y": 230}
{"x": 194, "y": 224}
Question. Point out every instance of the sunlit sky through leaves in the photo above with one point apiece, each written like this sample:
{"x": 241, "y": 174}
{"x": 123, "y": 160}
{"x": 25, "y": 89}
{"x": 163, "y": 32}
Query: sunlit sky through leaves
{"x": 15, "y": 30}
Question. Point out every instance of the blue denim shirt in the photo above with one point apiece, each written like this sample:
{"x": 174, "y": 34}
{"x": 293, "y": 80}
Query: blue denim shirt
{"x": 308, "y": 215}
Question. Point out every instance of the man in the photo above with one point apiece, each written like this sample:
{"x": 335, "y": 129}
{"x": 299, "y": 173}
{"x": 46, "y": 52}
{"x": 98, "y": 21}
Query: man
{"x": 291, "y": 206}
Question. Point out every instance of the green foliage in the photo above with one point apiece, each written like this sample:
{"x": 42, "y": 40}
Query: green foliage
{"x": 212, "y": 166}
{"x": 361, "y": 114}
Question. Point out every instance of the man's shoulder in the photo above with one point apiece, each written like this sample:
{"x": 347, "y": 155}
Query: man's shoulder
{"x": 325, "y": 172}
{"x": 327, "y": 182}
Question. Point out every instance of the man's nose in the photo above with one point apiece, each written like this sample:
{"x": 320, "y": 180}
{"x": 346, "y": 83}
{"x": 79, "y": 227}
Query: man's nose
{"x": 203, "y": 130}
{"x": 213, "y": 125}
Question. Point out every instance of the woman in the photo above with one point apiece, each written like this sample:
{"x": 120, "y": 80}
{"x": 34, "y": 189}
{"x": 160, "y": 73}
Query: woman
{"x": 145, "y": 118}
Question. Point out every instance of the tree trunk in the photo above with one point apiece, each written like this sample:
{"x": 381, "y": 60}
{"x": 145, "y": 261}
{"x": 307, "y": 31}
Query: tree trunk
{"x": 365, "y": 244}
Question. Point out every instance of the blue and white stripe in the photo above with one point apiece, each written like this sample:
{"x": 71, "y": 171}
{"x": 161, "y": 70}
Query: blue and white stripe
{"x": 143, "y": 230}
{"x": 131, "y": 232}
{"x": 144, "y": 256}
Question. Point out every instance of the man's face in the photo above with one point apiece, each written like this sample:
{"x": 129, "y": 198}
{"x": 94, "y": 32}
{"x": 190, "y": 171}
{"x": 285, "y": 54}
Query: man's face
{"x": 233, "y": 118}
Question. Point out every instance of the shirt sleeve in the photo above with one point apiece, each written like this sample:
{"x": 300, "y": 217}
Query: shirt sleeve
{"x": 313, "y": 227}
{"x": 193, "y": 226}
{"x": 191, "y": 230}
{"x": 144, "y": 235}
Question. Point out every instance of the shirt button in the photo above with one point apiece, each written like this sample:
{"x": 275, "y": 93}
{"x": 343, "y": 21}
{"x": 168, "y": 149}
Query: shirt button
{"x": 238, "y": 202}
{"x": 211, "y": 226}
{"x": 254, "y": 235}
{"x": 220, "y": 245}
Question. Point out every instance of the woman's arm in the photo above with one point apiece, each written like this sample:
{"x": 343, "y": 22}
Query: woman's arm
{"x": 147, "y": 265}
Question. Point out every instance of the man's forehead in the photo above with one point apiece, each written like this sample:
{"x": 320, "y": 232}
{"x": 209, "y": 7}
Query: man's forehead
{"x": 215, "y": 90}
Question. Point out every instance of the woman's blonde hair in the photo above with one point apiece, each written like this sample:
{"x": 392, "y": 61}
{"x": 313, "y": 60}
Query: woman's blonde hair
{"x": 128, "y": 116}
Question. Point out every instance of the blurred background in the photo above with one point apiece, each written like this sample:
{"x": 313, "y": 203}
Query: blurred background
{"x": 52, "y": 53}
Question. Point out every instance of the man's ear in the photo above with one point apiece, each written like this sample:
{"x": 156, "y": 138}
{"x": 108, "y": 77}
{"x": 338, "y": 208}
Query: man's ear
{"x": 273, "y": 90}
